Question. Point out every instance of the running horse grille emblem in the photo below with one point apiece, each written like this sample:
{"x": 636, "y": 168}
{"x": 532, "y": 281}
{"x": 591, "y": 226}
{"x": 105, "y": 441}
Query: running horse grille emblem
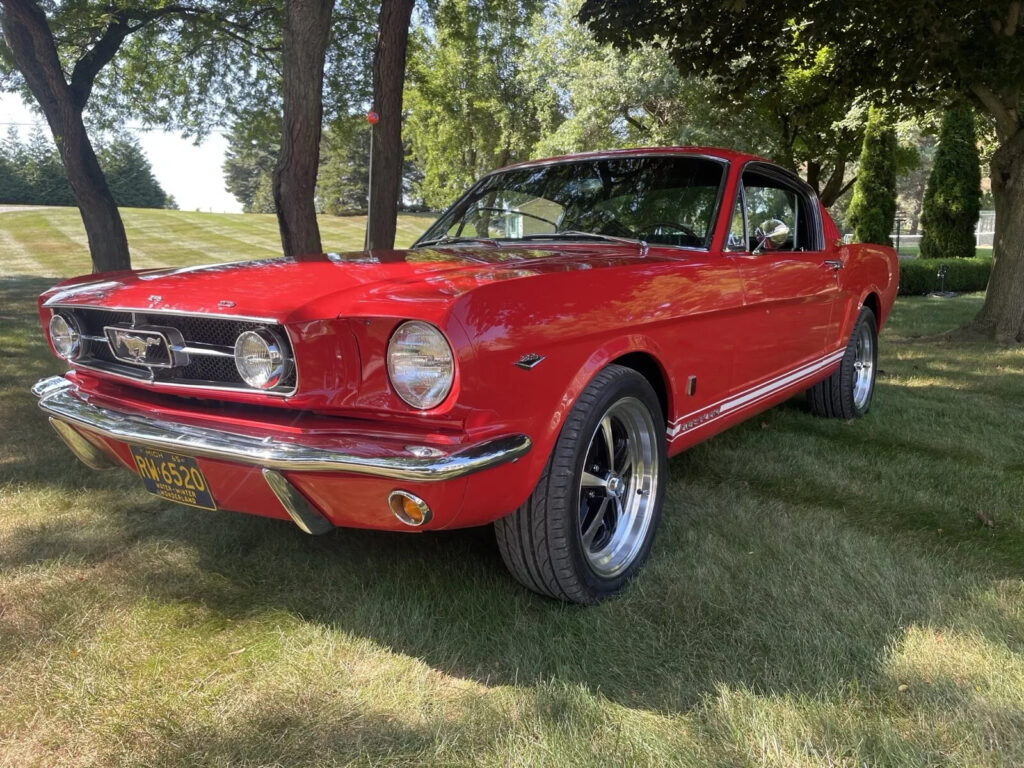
{"x": 140, "y": 346}
{"x": 136, "y": 347}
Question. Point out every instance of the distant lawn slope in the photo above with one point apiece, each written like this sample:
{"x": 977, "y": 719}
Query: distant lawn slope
{"x": 51, "y": 241}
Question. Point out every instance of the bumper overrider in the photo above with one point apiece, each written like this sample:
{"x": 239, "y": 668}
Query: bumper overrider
{"x": 86, "y": 423}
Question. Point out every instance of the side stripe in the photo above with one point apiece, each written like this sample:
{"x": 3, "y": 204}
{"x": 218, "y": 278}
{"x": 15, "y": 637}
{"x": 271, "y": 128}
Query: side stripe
{"x": 716, "y": 411}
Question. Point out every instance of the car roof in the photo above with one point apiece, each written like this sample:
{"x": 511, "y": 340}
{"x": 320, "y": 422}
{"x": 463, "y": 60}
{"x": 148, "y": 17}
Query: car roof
{"x": 718, "y": 153}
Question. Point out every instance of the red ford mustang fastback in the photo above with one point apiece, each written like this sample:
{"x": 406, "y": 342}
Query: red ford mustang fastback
{"x": 530, "y": 362}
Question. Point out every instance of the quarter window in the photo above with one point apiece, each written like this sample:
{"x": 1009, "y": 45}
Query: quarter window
{"x": 771, "y": 215}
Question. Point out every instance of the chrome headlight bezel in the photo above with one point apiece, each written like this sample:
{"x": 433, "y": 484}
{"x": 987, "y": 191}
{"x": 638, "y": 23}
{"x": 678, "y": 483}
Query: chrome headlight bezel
{"x": 421, "y": 364}
{"x": 276, "y": 364}
{"x": 65, "y": 336}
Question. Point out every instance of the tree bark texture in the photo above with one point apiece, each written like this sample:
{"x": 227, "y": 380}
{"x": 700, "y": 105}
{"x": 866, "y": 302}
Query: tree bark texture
{"x": 1002, "y": 315}
{"x": 388, "y": 82}
{"x": 30, "y": 40}
{"x": 307, "y": 28}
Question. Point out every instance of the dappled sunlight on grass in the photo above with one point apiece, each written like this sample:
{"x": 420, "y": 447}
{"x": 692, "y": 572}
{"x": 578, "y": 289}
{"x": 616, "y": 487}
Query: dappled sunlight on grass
{"x": 805, "y": 570}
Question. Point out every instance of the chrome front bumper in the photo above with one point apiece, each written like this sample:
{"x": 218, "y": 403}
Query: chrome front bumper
{"x": 65, "y": 405}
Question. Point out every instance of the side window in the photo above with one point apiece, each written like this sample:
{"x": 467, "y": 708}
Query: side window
{"x": 773, "y": 215}
{"x": 771, "y": 218}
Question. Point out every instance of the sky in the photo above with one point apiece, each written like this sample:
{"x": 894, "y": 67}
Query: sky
{"x": 191, "y": 173}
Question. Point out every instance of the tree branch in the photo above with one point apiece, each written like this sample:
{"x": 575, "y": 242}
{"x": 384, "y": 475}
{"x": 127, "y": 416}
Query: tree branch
{"x": 633, "y": 121}
{"x": 846, "y": 187}
{"x": 1005, "y": 117}
{"x": 129, "y": 20}
{"x": 833, "y": 188}
{"x": 86, "y": 68}
{"x": 1012, "y": 19}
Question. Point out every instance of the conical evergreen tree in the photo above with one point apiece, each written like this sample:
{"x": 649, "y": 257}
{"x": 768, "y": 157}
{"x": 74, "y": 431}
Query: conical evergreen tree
{"x": 873, "y": 206}
{"x": 952, "y": 198}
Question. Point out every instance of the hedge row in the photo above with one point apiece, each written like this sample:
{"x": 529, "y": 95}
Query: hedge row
{"x": 919, "y": 276}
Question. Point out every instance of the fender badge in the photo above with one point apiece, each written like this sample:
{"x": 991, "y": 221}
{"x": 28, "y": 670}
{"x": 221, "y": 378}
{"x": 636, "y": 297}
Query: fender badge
{"x": 528, "y": 361}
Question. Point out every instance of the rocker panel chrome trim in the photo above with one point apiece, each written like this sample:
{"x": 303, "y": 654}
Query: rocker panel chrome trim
{"x": 60, "y": 399}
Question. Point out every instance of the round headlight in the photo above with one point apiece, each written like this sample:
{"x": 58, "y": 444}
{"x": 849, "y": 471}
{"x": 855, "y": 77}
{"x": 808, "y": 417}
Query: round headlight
{"x": 260, "y": 358}
{"x": 420, "y": 364}
{"x": 66, "y": 337}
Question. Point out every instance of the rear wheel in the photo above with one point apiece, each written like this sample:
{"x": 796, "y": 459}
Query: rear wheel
{"x": 846, "y": 394}
{"x": 589, "y": 524}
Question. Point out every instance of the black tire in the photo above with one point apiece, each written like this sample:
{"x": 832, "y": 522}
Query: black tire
{"x": 542, "y": 542}
{"x": 847, "y": 393}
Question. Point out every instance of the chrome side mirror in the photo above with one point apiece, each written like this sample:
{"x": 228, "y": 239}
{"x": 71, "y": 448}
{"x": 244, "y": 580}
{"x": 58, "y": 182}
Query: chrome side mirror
{"x": 771, "y": 235}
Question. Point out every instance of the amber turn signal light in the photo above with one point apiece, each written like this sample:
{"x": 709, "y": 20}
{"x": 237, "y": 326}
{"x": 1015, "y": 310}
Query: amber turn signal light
{"x": 410, "y": 509}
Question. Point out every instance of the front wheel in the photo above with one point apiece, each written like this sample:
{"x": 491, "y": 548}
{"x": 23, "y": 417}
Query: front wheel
{"x": 846, "y": 394}
{"x": 588, "y": 525}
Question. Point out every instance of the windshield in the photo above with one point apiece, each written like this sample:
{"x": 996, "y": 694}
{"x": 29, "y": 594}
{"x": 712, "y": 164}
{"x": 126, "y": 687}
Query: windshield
{"x": 667, "y": 200}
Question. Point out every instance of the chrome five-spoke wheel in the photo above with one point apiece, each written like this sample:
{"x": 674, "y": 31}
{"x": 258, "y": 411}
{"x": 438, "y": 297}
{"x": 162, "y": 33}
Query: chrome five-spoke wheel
{"x": 589, "y": 524}
{"x": 863, "y": 366}
{"x": 846, "y": 394}
{"x": 616, "y": 492}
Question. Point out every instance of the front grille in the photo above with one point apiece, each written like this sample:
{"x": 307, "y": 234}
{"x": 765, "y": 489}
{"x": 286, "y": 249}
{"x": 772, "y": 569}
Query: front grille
{"x": 204, "y": 358}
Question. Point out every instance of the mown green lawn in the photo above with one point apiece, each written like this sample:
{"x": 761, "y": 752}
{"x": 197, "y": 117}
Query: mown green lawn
{"x": 51, "y": 241}
{"x": 821, "y": 593}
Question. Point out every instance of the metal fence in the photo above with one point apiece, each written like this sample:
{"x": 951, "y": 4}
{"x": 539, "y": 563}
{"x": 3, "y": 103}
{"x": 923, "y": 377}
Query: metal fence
{"x": 908, "y": 245}
{"x": 985, "y": 232}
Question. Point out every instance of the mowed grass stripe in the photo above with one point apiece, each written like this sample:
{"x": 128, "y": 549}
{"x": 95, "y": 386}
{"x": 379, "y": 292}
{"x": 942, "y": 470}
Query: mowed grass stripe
{"x": 52, "y": 241}
{"x": 46, "y": 237}
{"x": 16, "y": 257}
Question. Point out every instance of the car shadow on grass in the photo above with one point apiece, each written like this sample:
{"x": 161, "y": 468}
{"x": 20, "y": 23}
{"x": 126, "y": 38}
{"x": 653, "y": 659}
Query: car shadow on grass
{"x": 776, "y": 597}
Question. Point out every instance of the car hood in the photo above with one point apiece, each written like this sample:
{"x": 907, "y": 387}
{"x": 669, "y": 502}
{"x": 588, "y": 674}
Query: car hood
{"x": 327, "y": 285}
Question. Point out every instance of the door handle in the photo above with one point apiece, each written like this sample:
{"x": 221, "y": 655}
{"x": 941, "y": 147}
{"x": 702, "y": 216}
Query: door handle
{"x": 836, "y": 264}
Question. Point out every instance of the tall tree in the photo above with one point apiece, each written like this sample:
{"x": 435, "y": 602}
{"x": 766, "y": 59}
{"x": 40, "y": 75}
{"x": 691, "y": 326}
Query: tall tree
{"x": 388, "y": 152}
{"x": 307, "y": 27}
{"x": 179, "y": 53}
{"x": 908, "y": 52}
{"x": 254, "y": 142}
{"x": 472, "y": 99}
{"x": 28, "y": 38}
{"x": 952, "y": 199}
{"x": 874, "y": 195}
{"x": 130, "y": 175}
{"x": 341, "y": 185}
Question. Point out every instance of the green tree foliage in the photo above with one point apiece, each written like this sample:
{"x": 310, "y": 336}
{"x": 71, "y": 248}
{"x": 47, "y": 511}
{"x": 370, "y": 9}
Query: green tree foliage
{"x": 913, "y": 53}
{"x": 182, "y": 65}
{"x": 344, "y": 167}
{"x": 470, "y": 106}
{"x": 874, "y": 195}
{"x": 130, "y": 175}
{"x": 787, "y": 105}
{"x": 31, "y": 173}
{"x": 253, "y": 145}
{"x": 952, "y": 199}
{"x": 597, "y": 97}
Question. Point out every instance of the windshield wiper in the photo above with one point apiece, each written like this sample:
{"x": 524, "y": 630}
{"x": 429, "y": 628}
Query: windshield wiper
{"x": 450, "y": 240}
{"x": 573, "y": 234}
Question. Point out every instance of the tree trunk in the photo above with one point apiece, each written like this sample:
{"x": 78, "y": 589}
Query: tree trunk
{"x": 834, "y": 187}
{"x": 388, "y": 82}
{"x": 32, "y": 47}
{"x": 1002, "y": 315}
{"x": 307, "y": 27}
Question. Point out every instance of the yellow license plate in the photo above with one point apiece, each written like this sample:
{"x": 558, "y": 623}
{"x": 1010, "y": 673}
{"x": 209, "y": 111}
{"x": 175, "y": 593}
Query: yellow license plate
{"x": 173, "y": 477}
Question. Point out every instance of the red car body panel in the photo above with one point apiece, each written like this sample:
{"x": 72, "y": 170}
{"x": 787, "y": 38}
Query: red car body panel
{"x": 722, "y": 335}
